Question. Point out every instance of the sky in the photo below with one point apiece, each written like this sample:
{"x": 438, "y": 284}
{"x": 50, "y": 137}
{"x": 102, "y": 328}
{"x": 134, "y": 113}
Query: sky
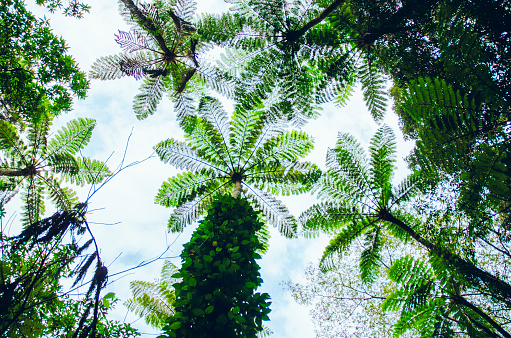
{"x": 129, "y": 227}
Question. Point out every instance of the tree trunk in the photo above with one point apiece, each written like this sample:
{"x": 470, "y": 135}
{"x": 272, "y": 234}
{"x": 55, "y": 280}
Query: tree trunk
{"x": 462, "y": 301}
{"x": 237, "y": 189}
{"x": 469, "y": 270}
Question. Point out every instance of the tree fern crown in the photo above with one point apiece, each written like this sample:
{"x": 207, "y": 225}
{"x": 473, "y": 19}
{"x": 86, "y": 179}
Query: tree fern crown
{"x": 357, "y": 195}
{"x": 246, "y": 150}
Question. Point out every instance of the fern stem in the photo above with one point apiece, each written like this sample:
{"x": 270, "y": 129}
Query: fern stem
{"x": 237, "y": 189}
{"x": 292, "y": 36}
{"x": 147, "y": 24}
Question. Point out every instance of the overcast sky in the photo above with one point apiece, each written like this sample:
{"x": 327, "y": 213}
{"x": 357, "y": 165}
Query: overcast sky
{"x": 129, "y": 227}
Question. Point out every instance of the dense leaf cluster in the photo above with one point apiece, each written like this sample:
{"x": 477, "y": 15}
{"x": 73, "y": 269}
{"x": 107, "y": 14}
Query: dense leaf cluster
{"x": 36, "y": 73}
{"x": 216, "y": 296}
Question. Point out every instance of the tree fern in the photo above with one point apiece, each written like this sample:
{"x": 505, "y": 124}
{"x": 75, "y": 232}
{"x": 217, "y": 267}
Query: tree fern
{"x": 373, "y": 87}
{"x": 39, "y": 165}
{"x": 161, "y": 49}
{"x": 431, "y": 301}
{"x": 276, "y": 48}
{"x": 222, "y": 154}
{"x": 357, "y": 192}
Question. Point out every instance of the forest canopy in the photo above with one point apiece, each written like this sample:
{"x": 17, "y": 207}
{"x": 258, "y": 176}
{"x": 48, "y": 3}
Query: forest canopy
{"x": 425, "y": 255}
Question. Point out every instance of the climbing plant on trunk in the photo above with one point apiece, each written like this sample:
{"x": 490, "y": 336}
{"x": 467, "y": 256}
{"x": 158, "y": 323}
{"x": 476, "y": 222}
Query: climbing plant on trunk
{"x": 216, "y": 297}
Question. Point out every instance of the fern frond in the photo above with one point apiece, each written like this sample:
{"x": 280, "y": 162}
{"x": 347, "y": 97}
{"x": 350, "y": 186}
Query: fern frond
{"x": 167, "y": 271}
{"x": 373, "y": 87}
{"x": 285, "y": 178}
{"x": 289, "y": 146}
{"x": 62, "y": 197}
{"x": 153, "y": 301}
{"x": 370, "y": 257}
{"x": 33, "y": 201}
{"x": 407, "y": 189}
{"x": 64, "y": 164}
{"x": 186, "y": 187}
{"x": 220, "y": 81}
{"x": 181, "y": 155}
{"x": 185, "y": 111}
{"x": 10, "y": 141}
{"x": 342, "y": 241}
{"x": 131, "y": 41}
{"x": 328, "y": 217}
{"x": 348, "y": 164}
{"x": 211, "y": 109}
{"x": 37, "y": 135}
{"x": 71, "y": 138}
{"x": 383, "y": 157}
{"x": 151, "y": 91}
{"x": 275, "y": 211}
{"x": 115, "y": 66}
{"x": 89, "y": 172}
{"x": 210, "y": 144}
{"x": 189, "y": 212}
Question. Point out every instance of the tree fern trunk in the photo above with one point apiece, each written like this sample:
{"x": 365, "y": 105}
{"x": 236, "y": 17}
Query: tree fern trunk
{"x": 468, "y": 269}
{"x": 18, "y": 173}
{"x": 462, "y": 301}
{"x": 237, "y": 189}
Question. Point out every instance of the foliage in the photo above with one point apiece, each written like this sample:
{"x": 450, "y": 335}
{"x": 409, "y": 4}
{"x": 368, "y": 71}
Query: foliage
{"x": 163, "y": 50}
{"x": 341, "y": 305}
{"x": 72, "y": 8}
{"x": 32, "y": 266}
{"x": 36, "y": 73}
{"x": 433, "y": 302}
{"x": 357, "y": 192}
{"x": 282, "y": 52}
{"x": 154, "y": 301}
{"x": 37, "y": 163}
{"x": 360, "y": 202}
{"x": 220, "y": 275}
{"x": 248, "y": 149}
{"x": 463, "y": 136}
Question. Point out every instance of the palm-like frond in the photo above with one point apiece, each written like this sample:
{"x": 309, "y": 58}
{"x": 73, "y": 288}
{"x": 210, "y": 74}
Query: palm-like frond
{"x": 186, "y": 187}
{"x": 342, "y": 241}
{"x": 10, "y": 141}
{"x": 89, "y": 172}
{"x": 151, "y": 91}
{"x": 373, "y": 86}
{"x": 274, "y": 48}
{"x": 33, "y": 205}
{"x": 71, "y": 138}
{"x": 154, "y": 301}
{"x": 275, "y": 211}
{"x": 181, "y": 155}
{"x": 246, "y": 149}
{"x": 62, "y": 197}
{"x": 328, "y": 217}
{"x": 370, "y": 257}
{"x": 161, "y": 49}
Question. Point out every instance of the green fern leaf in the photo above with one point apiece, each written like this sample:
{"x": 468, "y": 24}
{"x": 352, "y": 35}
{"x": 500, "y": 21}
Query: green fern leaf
{"x": 71, "y": 138}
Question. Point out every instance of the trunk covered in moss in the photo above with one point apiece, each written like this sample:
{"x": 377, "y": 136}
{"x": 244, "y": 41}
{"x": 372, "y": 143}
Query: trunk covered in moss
{"x": 216, "y": 297}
